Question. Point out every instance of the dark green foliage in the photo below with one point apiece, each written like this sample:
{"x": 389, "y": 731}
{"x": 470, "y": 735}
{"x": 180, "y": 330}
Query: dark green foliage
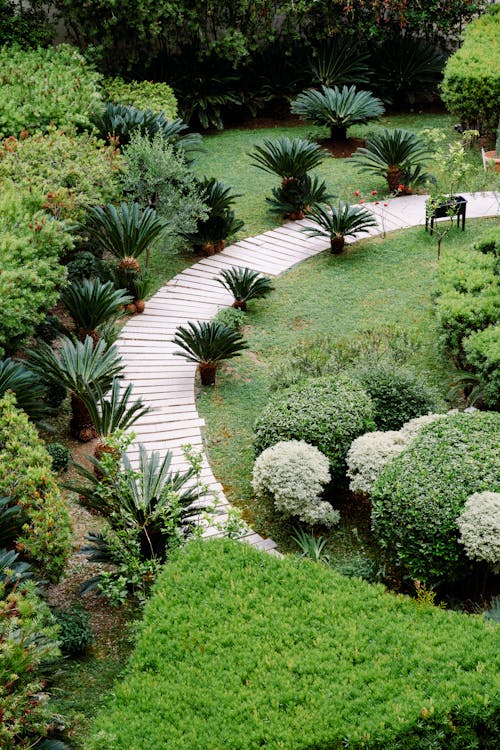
{"x": 28, "y": 388}
{"x": 13, "y": 570}
{"x": 398, "y": 393}
{"x": 11, "y": 521}
{"x": 420, "y": 494}
{"x": 337, "y": 221}
{"x": 116, "y": 413}
{"x": 277, "y": 72}
{"x": 126, "y": 231}
{"x": 298, "y": 194}
{"x": 75, "y": 631}
{"x": 398, "y": 155}
{"x": 327, "y": 412}
{"x": 208, "y": 342}
{"x": 231, "y": 317}
{"x": 288, "y": 654}
{"x": 338, "y": 61}
{"x": 288, "y": 157}
{"x": 92, "y": 303}
{"x": 49, "y": 329}
{"x": 482, "y": 350}
{"x": 337, "y": 108}
{"x": 28, "y": 26}
{"x": 59, "y": 454}
{"x": 220, "y": 222}
{"x": 245, "y": 284}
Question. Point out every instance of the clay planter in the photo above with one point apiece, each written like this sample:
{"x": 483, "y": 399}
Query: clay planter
{"x": 140, "y": 305}
{"x": 495, "y": 158}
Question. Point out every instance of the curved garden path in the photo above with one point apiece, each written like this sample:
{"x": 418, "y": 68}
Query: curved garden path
{"x": 166, "y": 382}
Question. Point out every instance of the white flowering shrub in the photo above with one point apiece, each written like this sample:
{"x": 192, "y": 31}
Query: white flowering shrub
{"x": 368, "y": 455}
{"x": 293, "y": 474}
{"x": 479, "y": 526}
{"x": 411, "y": 429}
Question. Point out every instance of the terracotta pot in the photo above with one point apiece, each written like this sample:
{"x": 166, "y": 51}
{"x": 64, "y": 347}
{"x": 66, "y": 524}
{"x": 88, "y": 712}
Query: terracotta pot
{"x": 140, "y": 305}
{"x": 495, "y": 158}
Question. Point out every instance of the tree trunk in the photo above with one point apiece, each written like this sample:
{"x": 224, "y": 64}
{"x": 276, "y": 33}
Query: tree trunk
{"x": 81, "y": 426}
{"x": 240, "y": 304}
{"x": 207, "y": 373}
{"x": 338, "y": 133}
{"x": 337, "y": 245}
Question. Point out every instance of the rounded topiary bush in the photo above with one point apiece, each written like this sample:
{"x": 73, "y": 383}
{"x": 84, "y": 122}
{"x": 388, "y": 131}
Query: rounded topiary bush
{"x": 327, "y": 412}
{"x": 398, "y": 394}
{"x": 293, "y": 475}
{"x": 479, "y": 525}
{"x": 368, "y": 455}
{"x": 420, "y": 494}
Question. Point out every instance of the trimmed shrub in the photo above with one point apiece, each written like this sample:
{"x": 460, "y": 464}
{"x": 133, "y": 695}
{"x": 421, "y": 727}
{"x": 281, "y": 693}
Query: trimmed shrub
{"x": 152, "y": 95}
{"x": 293, "y": 475}
{"x": 471, "y": 85}
{"x": 26, "y": 478}
{"x": 482, "y": 350}
{"x": 420, "y": 494}
{"x": 244, "y": 650}
{"x": 45, "y": 88}
{"x": 479, "y": 526}
{"x": 75, "y": 631}
{"x": 398, "y": 393}
{"x": 326, "y": 412}
{"x": 59, "y": 454}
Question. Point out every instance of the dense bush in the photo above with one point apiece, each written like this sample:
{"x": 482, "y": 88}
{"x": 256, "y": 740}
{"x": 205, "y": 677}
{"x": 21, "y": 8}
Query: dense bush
{"x": 482, "y": 350}
{"x": 59, "y": 454}
{"x": 471, "y": 85}
{"x": 420, "y": 494}
{"x": 26, "y": 478}
{"x": 245, "y": 650}
{"x": 43, "y": 88}
{"x": 69, "y": 171}
{"x": 28, "y": 643}
{"x": 75, "y": 631}
{"x": 293, "y": 475}
{"x": 27, "y": 25}
{"x": 479, "y": 525}
{"x": 152, "y": 95}
{"x": 398, "y": 393}
{"x": 326, "y": 412}
{"x": 31, "y": 243}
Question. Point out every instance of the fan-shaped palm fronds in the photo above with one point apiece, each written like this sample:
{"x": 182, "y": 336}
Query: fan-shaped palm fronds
{"x": 404, "y": 66}
{"x": 244, "y": 284}
{"x": 92, "y": 303}
{"x": 339, "y": 62}
{"x": 125, "y": 231}
{"x": 297, "y": 195}
{"x": 398, "y": 155}
{"x": 288, "y": 157}
{"x": 115, "y": 413}
{"x": 338, "y": 222}
{"x": 206, "y": 344}
{"x": 221, "y": 222}
{"x": 79, "y": 367}
{"x": 28, "y": 388}
{"x": 337, "y": 108}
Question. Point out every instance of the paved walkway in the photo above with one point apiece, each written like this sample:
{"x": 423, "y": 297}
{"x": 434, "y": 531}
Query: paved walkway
{"x": 166, "y": 382}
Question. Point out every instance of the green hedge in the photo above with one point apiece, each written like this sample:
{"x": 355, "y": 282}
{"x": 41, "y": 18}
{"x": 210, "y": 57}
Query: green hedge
{"x": 482, "y": 350}
{"x": 420, "y": 494}
{"x": 242, "y": 650}
{"x": 152, "y": 95}
{"x": 48, "y": 87}
{"x": 26, "y": 477}
{"x": 471, "y": 85}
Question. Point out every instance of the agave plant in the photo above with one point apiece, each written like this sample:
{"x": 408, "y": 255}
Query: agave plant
{"x": 92, "y": 303}
{"x": 339, "y": 62}
{"x": 288, "y": 158}
{"x": 207, "y": 344}
{"x": 295, "y": 196}
{"x": 398, "y": 155}
{"x": 244, "y": 284}
{"x": 211, "y": 233}
{"x": 337, "y": 108}
{"x": 338, "y": 222}
{"x": 28, "y": 388}
{"x": 125, "y": 231}
{"x": 79, "y": 366}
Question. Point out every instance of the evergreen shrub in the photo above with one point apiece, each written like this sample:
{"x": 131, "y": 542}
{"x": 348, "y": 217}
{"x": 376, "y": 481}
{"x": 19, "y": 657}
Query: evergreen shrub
{"x": 152, "y": 95}
{"x": 479, "y": 525}
{"x": 241, "y": 649}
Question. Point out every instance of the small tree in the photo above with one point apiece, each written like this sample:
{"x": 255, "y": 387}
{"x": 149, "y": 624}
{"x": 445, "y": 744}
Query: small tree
{"x": 207, "y": 344}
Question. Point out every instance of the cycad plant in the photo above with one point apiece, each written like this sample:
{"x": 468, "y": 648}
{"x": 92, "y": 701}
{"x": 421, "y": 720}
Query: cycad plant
{"x": 339, "y": 62}
{"x": 337, "y": 108}
{"x": 125, "y": 231}
{"x": 244, "y": 284}
{"x": 207, "y": 344}
{"x": 92, "y": 303}
{"x": 80, "y": 367}
{"x": 211, "y": 233}
{"x": 27, "y": 387}
{"x": 398, "y": 155}
{"x": 292, "y": 159}
{"x": 338, "y": 222}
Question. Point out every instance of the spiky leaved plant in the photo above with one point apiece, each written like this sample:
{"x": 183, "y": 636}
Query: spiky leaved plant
{"x": 92, "y": 303}
{"x": 244, "y": 284}
{"x": 338, "y": 222}
{"x": 79, "y": 366}
{"x": 27, "y": 387}
{"x": 295, "y": 196}
{"x": 398, "y": 155}
{"x": 211, "y": 233}
{"x": 207, "y": 344}
{"x": 338, "y": 61}
{"x": 337, "y": 108}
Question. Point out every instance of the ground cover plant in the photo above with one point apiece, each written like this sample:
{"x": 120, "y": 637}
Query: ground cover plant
{"x": 286, "y": 653}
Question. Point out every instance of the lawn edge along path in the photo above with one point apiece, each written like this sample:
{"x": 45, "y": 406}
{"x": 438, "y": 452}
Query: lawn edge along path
{"x": 166, "y": 383}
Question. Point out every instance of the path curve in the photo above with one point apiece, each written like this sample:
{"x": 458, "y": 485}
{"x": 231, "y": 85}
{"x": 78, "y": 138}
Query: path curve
{"x": 166, "y": 382}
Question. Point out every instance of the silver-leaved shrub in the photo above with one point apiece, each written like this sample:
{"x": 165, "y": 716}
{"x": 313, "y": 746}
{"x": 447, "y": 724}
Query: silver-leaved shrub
{"x": 479, "y": 526}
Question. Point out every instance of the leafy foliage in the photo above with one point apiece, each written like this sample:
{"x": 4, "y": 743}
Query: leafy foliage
{"x": 337, "y": 221}
{"x": 288, "y": 157}
{"x": 153, "y": 95}
{"x": 245, "y": 285}
{"x": 337, "y": 61}
{"x": 207, "y": 344}
{"x": 220, "y": 222}
{"x": 266, "y": 617}
{"x": 75, "y": 631}
{"x": 59, "y": 454}
{"x": 114, "y": 414}
{"x": 337, "y": 108}
{"x": 92, "y": 303}
{"x": 479, "y": 525}
{"x": 26, "y": 26}
{"x": 27, "y": 387}
{"x": 419, "y": 495}
{"x": 405, "y": 66}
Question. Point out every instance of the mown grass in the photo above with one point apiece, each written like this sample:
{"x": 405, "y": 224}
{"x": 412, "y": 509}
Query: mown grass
{"x": 374, "y": 283}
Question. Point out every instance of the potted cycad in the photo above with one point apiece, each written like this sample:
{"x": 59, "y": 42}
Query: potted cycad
{"x": 207, "y": 344}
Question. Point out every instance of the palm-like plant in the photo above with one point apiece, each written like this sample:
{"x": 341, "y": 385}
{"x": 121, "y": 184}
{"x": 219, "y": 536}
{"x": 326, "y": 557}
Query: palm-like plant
{"x": 28, "y": 388}
{"x": 295, "y": 196}
{"x": 288, "y": 158}
{"x": 398, "y": 155}
{"x": 125, "y": 231}
{"x": 211, "y": 233}
{"x": 338, "y": 222}
{"x": 337, "y": 108}
{"x": 12, "y": 569}
{"x": 339, "y": 62}
{"x": 404, "y": 65}
{"x": 244, "y": 284}
{"x": 92, "y": 303}
{"x": 207, "y": 344}
{"x": 80, "y": 367}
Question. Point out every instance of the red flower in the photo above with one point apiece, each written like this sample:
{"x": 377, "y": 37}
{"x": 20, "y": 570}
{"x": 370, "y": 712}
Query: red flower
{"x": 374, "y": 192}
{"x": 386, "y": 204}
{"x": 356, "y": 193}
{"x": 361, "y": 201}
{"x": 377, "y": 203}
{"x": 401, "y": 187}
